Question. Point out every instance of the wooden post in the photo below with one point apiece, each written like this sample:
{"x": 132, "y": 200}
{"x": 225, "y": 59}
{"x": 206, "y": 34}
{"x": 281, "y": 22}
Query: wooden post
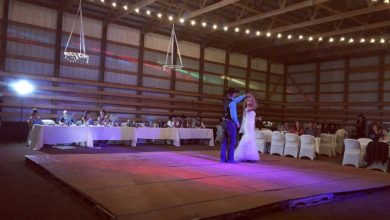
{"x": 3, "y": 46}
{"x": 248, "y": 71}
{"x": 141, "y": 51}
{"x": 102, "y": 63}
{"x": 226, "y": 71}
{"x": 267, "y": 85}
{"x": 317, "y": 92}
{"x": 57, "y": 53}
{"x": 346, "y": 88}
{"x": 285, "y": 73}
{"x": 381, "y": 78}
{"x": 201, "y": 72}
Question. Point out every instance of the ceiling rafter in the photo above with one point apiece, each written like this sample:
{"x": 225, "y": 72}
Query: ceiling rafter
{"x": 332, "y": 18}
{"x": 209, "y": 8}
{"x": 283, "y": 10}
{"x": 130, "y": 9}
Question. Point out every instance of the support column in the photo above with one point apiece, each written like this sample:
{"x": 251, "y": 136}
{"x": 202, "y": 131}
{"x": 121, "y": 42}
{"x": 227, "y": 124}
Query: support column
{"x": 57, "y": 53}
{"x": 3, "y": 48}
{"x": 267, "y": 85}
{"x": 226, "y": 71}
{"x": 317, "y": 92}
{"x": 141, "y": 50}
{"x": 381, "y": 78}
{"x": 102, "y": 62}
{"x": 201, "y": 72}
{"x": 285, "y": 92}
{"x": 346, "y": 87}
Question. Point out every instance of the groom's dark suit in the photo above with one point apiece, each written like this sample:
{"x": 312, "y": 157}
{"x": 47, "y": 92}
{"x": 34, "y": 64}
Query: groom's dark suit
{"x": 230, "y": 125}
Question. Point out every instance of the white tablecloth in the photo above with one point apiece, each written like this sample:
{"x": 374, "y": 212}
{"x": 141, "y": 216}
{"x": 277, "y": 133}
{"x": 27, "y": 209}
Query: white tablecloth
{"x": 41, "y": 135}
{"x": 112, "y": 133}
{"x": 174, "y": 134}
{"x": 197, "y": 133}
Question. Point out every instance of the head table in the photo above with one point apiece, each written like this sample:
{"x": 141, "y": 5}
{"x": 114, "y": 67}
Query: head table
{"x": 42, "y": 134}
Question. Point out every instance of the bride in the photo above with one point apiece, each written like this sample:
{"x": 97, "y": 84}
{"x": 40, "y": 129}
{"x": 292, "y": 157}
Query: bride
{"x": 247, "y": 150}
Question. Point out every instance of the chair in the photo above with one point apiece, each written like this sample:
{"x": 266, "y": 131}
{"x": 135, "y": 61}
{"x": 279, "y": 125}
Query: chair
{"x": 277, "y": 144}
{"x": 340, "y": 140}
{"x": 353, "y": 154}
{"x": 363, "y": 143}
{"x": 260, "y": 141}
{"x": 292, "y": 145}
{"x": 48, "y": 122}
{"x": 325, "y": 145}
{"x": 219, "y": 136}
{"x": 378, "y": 158}
{"x": 308, "y": 148}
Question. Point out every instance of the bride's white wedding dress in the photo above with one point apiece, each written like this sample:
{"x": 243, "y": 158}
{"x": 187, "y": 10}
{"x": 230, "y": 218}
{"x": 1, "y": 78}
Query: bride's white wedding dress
{"x": 247, "y": 149}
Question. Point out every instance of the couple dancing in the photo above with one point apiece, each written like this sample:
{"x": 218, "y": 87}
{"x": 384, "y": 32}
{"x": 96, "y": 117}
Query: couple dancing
{"x": 246, "y": 150}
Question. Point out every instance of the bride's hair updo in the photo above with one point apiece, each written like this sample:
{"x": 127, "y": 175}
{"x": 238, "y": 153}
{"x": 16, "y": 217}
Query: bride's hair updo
{"x": 253, "y": 105}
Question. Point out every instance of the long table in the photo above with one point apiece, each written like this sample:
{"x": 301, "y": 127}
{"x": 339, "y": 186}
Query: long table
{"x": 41, "y": 135}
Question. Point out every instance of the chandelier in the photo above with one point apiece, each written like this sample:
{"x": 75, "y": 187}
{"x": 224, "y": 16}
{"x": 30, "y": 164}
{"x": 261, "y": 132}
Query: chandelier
{"x": 169, "y": 64}
{"x": 80, "y": 55}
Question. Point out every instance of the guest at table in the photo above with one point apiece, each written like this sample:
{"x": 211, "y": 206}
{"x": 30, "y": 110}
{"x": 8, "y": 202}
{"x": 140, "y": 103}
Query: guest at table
{"x": 65, "y": 119}
{"x": 34, "y": 118}
{"x": 171, "y": 122}
{"x": 374, "y": 133}
{"x": 385, "y": 136}
{"x": 103, "y": 119}
{"x": 361, "y": 126}
{"x": 186, "y": 122}
{"x": 87, "y": 119}
{"x": 311, "y": 130}
{"x": 297, "y": 129}
{"x": 198, "y": 123}
{"x": 342, "y": 132}
{"x": 332, "y": 128}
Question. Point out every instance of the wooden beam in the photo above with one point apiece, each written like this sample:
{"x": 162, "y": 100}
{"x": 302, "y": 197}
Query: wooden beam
{"x": 317, "y": 92}
{"x": 131, "y": 8}
{"x": 201, "y": 72}
{"x": 140, "y": 64}
{"x": 381, "y": 77}
{"x": 248, "y": 71}
{"x": 336, "y": 17}
{"x": 4, "y": 28}
{"x": 102, "y": 63}
{"x": 283, "y": 10}
{"x": 209, "y": 8}
{"x": 57, "y": 52}
{"x": 346, "y": 85}
{"x": 285, "y": 73}
{"x": 296, "y": 84}
{"x": 268, "y": 80}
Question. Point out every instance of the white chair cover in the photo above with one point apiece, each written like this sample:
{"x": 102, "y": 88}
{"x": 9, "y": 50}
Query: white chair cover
{"x": 260, "y": 141}
{"x": 219, "y": 134}
{"x": 363, "y": 143}
{"x": 277, "y": 144}
{"x": 353, "y": 154}
{"x": 325, "y": 145}
{"x": 308, "y": 148}
{"x": 292, "y": 145}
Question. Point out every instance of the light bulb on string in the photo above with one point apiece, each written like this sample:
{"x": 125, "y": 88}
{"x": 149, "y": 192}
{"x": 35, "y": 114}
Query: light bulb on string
{"x": 125, "y": 7}
{"x": 351, "y": 40}
{"x": 342, "y": 39}
{"x": 159, "y": 15}
{"x": 170, "y": 18}
{"x": 300, "y": 37}
{"x": 182, "y": 20}
{"x": 331, "y": 40}
{"x": 372, "y": 40}
{"x": 268, "y": 34}
{"x": 310, "y": 38}
{"x": 226, "y": 28}
{"x": 320, "y": 39}
{"x": 148, "y": 12}
{"x": 113, "y": 4}
{"x": 279, "y": 35}
{"x": 289, "y": 36}
{"x": 382, "y": 41}
{"x": 136, "y": 10}
{"x": 204, "y": 24}
{"x": 362, "y": 40}
{"x": 247, "y": 31}
{"x": 215, "y": 27}
{"x": 237, "y": 29}
{"x": 193, "y": 22}
{"x": 258, "y": 33}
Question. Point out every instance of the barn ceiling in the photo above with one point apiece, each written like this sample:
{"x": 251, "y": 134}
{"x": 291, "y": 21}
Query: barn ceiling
{"x": 317, "y": 21}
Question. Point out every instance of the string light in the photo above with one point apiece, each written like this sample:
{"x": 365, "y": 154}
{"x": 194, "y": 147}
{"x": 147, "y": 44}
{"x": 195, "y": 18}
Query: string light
{"x": 225, "y": 28}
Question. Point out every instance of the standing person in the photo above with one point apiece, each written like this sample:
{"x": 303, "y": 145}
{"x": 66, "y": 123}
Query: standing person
{"x": 247, "y": 150}
{"x": 34, "y": 119}
{"x": 230, "y": 124}
{"x": 361, "y": 126}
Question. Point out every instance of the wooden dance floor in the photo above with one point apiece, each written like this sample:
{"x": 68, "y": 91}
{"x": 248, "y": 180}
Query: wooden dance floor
{"x": 194, "y": 184}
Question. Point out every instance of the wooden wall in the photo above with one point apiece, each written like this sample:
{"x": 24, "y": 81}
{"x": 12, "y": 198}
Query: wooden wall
{"x": 124, "y": 74}
{"x": 338, "y": 90}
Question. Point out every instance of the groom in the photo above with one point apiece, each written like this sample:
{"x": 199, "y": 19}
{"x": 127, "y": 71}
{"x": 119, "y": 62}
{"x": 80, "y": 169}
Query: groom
{"x": 230, "y": 124}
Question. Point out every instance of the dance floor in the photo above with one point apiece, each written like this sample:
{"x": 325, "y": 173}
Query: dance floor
{"x": 194, "y": 184}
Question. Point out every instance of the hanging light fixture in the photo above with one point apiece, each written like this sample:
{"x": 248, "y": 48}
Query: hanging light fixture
{"x": 169, "y": 64}
{"x": 81, "y": 55}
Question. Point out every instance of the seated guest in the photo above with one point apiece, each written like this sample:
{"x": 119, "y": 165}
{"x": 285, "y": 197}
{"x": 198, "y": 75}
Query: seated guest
{"x": 65, "y": 119}
{"x": 311, "y": 130}
{"x": 319, "y": 129}
{"x": 87, "y": 119}
{"x": 285, "y": 128}
{"x": 332, "y": 128}
{"x": 171, "y": 122}
{"x": 198, "y": 123}
{"x": 186, "y": 122}
{"x": 385, "y": 136}
{"x": 342, "y": 132}
{"x": 103, "y": 119}
{"x": 374, "y": 133}
{"x": 34, "y": 119}
{"x": 297, "y": 129}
